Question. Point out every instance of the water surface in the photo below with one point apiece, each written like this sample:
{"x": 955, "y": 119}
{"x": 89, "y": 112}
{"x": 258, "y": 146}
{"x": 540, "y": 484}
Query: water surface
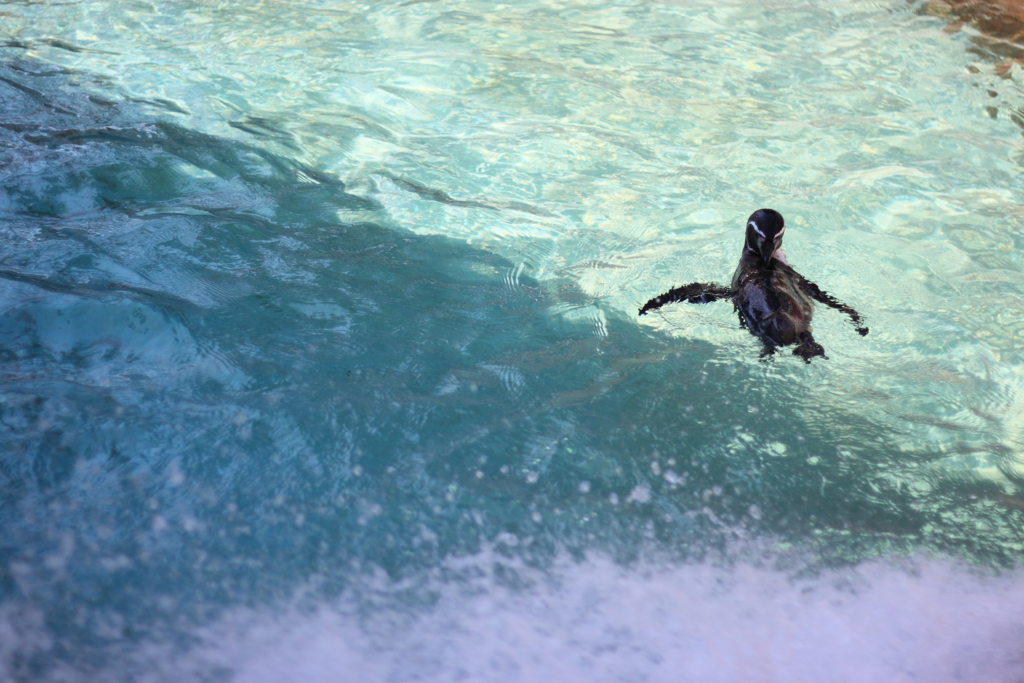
{"x": 320, "y": 351}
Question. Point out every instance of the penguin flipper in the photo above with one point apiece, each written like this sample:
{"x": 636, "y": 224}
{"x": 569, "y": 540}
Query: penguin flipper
{"x": 818, "y": 294}
{"x": 694, "y": 293}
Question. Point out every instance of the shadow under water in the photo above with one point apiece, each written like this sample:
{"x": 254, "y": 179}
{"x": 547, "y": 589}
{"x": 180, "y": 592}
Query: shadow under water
{"x": 226, "y": 379}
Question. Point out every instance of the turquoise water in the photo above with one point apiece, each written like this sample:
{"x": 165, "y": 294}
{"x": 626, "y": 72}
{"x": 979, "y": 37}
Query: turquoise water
{"x": 320, "y": 356}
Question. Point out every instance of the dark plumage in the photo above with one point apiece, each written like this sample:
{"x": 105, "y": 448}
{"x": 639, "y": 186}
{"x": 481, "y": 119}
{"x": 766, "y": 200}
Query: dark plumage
{"x": 773, "y": 300}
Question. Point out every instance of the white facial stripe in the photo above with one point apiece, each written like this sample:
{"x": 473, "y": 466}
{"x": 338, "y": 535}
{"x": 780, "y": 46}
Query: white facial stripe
{"x": 779, "y": 236}
{"x": 753, "y": 225}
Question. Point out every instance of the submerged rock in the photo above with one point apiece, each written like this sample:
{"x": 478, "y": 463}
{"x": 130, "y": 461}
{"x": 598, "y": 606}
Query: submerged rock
{"x": 1002, "y": 20}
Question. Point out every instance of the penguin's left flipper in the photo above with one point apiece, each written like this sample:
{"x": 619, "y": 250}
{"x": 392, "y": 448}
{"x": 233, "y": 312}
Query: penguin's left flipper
{"x": 818, "y": 294}
{"x": 694, "y": 293}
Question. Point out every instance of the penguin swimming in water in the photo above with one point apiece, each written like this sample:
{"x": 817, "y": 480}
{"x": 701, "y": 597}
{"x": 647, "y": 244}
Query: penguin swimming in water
{"x": 773, "y": 300}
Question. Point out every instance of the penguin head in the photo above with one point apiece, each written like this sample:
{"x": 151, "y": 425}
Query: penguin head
{"x": 764, "y": 232}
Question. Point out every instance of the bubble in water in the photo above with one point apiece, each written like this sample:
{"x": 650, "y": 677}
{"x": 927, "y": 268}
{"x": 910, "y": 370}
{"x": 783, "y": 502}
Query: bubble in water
{"x": 639, "y": 494}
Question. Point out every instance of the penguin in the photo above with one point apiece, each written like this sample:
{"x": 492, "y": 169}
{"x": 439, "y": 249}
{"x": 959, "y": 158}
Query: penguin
{"x": 774, "y": 302}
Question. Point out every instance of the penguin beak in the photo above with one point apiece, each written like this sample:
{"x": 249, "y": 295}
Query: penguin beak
{"x": 767, "y": 249}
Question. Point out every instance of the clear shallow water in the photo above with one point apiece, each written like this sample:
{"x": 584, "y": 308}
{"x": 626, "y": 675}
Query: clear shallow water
{"x": 322, "y": 320}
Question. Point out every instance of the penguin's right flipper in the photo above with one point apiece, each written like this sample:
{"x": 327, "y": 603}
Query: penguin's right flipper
{"x": 824, "y": 297}
{"x": 694, "y": 293}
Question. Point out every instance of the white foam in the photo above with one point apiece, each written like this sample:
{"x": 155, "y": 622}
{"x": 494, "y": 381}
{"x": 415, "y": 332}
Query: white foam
{"x": 936, "y": 621}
